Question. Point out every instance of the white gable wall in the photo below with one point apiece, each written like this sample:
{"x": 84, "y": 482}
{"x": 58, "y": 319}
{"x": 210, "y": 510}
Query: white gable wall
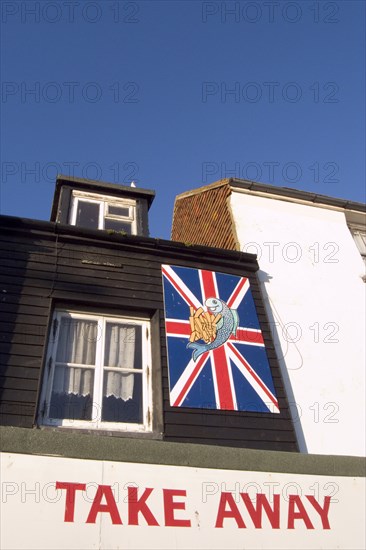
{"x": 311, "y": 277}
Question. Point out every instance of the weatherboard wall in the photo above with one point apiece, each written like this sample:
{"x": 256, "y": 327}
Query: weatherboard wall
{"x": 44, "y": 265}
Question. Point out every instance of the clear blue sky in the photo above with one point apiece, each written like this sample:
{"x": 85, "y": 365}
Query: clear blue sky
{"x": 177, "y": 94}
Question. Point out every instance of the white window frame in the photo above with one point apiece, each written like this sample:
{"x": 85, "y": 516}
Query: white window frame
{"x": 105, "y": 201}
{"x": 359, "y": 236}
{"x": 96, "y": 422}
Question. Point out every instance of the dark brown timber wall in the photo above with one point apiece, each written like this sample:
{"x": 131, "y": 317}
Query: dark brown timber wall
{"x": 43, "y": 265}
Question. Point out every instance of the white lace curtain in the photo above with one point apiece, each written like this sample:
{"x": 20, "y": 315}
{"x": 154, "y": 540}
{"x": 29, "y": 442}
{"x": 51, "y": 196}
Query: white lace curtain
{"x": 77, "y": 344}
{"x": 120, "y": 353}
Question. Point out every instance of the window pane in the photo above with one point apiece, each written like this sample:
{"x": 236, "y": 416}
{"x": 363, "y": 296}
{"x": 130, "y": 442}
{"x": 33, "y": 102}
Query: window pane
{"x": 123, "y": 346}
{"x": 117, "y": 225}
{"x": 119, "y": 210}
{"x": 71, "y": 393}
{"x": 87, "y": 215}
{"x": 360, "y": 238}
{"x": 77, "y": 341}
{"x": 122, "y": 397}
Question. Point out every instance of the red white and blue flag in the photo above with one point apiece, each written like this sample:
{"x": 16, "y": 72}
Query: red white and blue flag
{"x": 236, "y": 374}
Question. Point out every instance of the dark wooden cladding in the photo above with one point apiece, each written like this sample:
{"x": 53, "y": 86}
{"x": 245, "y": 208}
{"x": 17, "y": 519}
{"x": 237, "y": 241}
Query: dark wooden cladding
{"x": 44, "y": 265}
{"x": 247, "y": 444}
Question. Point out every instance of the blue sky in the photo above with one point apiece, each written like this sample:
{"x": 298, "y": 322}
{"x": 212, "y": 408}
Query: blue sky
{"x": 175, "y": 95}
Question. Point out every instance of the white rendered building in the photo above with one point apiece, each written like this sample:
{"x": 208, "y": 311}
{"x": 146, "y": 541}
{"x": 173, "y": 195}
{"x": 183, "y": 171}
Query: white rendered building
{"x": 311, "y": 251}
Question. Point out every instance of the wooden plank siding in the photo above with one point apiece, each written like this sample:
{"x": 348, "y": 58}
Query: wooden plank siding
{"x": 44, "y": 265}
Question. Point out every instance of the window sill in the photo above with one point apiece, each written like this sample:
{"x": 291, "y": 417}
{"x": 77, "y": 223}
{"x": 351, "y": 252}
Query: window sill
{"x": 103, "y": 432}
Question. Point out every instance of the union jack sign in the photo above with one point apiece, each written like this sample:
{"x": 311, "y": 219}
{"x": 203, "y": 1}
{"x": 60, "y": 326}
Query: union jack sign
{"x": 216, "y": 354}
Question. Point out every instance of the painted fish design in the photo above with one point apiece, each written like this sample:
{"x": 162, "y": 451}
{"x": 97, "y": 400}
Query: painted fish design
{"x": 227, "y": 326}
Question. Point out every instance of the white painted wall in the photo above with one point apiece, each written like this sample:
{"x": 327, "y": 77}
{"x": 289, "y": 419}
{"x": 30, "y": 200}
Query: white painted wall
{"x": 310, "y": 272}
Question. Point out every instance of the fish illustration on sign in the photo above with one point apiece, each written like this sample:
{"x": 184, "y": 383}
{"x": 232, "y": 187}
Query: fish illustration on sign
{"x": 224, "y": 319}
{"x": 215, "y": 362}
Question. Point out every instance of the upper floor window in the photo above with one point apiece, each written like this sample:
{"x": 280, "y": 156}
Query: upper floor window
{"x": 94, "y": 211}
{"x": 97, "y": 373}
{"x": 359, "y": 236}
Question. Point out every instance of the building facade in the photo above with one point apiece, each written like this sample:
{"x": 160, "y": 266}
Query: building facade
{"x": 312, "y": 252}
{"x": 144, "y": 403}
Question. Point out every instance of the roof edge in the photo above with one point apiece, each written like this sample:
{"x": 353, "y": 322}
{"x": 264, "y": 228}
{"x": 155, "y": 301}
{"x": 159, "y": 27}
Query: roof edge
{"x": 297, "y": 194}
{"x": 288, "y": 193}
{"x": 87, "y": 446}
{"x": 203, "y": 189}
{"x": 99, "y": 237}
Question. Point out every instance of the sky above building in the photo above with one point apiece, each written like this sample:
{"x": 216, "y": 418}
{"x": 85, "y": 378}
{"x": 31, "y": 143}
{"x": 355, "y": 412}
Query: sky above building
{"x": 174, "y": 95}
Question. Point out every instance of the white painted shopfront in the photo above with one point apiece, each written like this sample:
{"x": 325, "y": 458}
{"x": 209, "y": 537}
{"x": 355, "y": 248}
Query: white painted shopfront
{"x": 77, "y": 504}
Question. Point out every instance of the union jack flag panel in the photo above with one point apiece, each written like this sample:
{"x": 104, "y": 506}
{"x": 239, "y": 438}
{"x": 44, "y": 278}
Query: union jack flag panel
{"x": 216, "y": 355}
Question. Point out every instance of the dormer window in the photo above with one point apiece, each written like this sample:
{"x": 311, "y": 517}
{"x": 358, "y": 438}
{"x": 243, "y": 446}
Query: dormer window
{"x": 101, "y": 205}
{"x": 94, "y": 211}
